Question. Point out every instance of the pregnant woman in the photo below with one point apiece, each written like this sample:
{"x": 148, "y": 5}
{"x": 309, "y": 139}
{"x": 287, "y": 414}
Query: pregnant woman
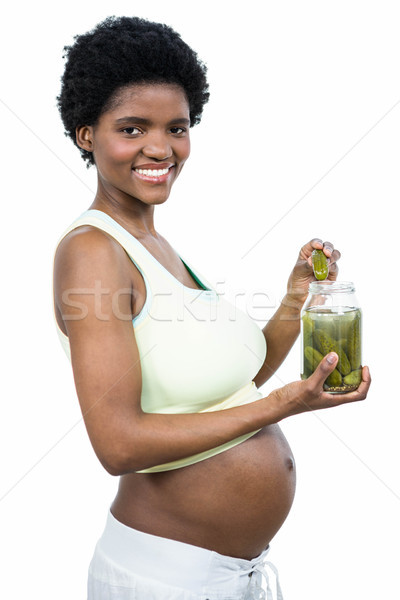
{"x": 167, "y": 380}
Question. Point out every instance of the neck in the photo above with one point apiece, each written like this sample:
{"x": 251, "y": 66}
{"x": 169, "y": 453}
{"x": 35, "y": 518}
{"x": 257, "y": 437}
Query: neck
{"x": 133, "y": 215}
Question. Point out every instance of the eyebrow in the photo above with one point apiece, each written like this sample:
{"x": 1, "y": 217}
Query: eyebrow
{"x": 142, "y": 121}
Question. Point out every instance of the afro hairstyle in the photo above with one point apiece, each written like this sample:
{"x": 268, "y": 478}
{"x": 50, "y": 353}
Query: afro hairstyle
{"x": 122, "y": 51}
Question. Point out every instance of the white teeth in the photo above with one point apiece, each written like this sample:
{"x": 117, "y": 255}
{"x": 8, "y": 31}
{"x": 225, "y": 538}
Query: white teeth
{"x": 152, "y": 172}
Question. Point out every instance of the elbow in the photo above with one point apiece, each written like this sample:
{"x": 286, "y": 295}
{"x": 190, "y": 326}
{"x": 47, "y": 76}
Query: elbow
{"x": 118, "y": 462}
{"x": 122, "y": 450}
{"x": 111, "y": 463}
{"x": 112, "y": 468}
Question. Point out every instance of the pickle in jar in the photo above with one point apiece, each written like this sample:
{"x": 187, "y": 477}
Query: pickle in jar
{"x": 325, "y": 330}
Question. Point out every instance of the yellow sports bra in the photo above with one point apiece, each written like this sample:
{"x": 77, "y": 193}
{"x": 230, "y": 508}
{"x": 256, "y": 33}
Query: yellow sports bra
{"x": 198, "y": 352}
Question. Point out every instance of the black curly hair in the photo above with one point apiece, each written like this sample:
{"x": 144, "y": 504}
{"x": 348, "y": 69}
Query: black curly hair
{"x": 118, "y": 52}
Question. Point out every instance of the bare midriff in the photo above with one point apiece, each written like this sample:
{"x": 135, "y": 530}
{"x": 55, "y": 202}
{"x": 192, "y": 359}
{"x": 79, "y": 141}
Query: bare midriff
{"x": 233, "y": 503}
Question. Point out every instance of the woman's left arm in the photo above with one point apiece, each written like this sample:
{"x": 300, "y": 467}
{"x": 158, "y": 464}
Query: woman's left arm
{"x": 282, "y": 329}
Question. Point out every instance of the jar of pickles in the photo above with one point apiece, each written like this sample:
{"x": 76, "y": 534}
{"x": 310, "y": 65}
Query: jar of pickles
{"x": 331, "y": 322}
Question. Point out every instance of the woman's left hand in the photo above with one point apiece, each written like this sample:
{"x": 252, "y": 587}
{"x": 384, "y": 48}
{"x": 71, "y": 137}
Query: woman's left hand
{"x": 303, "y": 274}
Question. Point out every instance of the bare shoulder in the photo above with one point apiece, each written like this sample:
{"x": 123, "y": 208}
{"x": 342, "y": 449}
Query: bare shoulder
{"x": 88, "y": 261}
{"x": 86, "y": 253}
{"x": 87, "y": 243}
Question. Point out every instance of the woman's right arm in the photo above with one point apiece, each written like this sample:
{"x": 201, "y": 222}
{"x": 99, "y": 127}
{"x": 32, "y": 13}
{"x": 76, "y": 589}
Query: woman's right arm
{"x": 93, "y": 293}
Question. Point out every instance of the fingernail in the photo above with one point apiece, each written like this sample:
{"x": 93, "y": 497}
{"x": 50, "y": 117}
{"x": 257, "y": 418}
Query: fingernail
{"x": 331, "y": 358}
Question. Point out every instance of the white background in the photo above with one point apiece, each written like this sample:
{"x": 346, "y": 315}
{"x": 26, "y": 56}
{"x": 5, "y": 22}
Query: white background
{"x": 300, "y": 139}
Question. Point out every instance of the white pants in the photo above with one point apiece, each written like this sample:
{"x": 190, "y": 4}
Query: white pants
{"x": 131, "y": 565}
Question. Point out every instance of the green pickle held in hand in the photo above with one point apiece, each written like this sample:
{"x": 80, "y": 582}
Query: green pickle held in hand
{"x": 326, "y": 331}
{"x": 320, "y": 265}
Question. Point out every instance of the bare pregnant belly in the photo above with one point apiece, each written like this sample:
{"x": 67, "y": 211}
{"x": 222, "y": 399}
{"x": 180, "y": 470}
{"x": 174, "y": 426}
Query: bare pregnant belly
{"x": 232, "y": 503}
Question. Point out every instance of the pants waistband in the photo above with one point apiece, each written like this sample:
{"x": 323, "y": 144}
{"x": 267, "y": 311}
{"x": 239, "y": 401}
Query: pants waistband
{"x": 161, "y": 558}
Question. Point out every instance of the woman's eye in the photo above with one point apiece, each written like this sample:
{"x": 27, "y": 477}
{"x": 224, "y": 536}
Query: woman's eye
{"x": 131, "y": 130}
{"x": 177, "y": 130}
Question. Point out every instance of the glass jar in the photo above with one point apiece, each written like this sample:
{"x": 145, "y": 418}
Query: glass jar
{"x": 331, "y": 321}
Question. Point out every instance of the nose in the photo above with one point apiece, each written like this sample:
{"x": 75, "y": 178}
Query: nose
{"x": 157, "y": 146}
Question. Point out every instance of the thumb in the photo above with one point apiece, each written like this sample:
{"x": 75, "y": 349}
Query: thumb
{"x": 325, "y": 368}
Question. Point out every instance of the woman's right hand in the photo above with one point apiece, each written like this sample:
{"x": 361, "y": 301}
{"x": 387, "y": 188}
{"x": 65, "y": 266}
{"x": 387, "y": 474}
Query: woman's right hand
{"x": 308, "y": 394}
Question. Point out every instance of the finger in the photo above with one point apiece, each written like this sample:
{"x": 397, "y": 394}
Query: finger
{"x": 333, "y": 268}
{"x": 325, "y": 368}
{"x": 316, "y": 243}
{"x": 364, "y": 386}
{"x": 306, "y": 250}
{"x": 334, "y": 257}
{"x": 333, "y": 272}
{"x": 328, "y": 248}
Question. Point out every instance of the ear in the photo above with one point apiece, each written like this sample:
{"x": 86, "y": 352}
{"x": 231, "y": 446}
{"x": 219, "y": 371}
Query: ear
{"x": 84, "y": 137}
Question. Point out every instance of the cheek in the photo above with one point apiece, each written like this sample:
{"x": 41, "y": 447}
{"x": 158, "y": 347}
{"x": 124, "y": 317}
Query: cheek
{"x": 184, "y": 150}
{"x": 118, "y": 152}
{"x": 187, "y": 147}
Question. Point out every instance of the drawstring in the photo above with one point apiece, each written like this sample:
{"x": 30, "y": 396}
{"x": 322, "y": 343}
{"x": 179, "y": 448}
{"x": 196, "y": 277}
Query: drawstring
{"x": 254, "y": 589}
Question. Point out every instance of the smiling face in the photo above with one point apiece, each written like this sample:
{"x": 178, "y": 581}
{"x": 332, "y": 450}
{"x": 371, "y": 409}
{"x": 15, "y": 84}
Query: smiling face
{"x": 140, "y": 144}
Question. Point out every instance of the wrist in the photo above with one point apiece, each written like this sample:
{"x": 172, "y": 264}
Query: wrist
{"x": 292, "y": 303}
{"x": 279, "y": 404}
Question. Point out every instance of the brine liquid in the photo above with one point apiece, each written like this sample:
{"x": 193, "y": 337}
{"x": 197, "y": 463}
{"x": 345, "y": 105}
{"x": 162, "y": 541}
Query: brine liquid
{"x": 338, "y": 330}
